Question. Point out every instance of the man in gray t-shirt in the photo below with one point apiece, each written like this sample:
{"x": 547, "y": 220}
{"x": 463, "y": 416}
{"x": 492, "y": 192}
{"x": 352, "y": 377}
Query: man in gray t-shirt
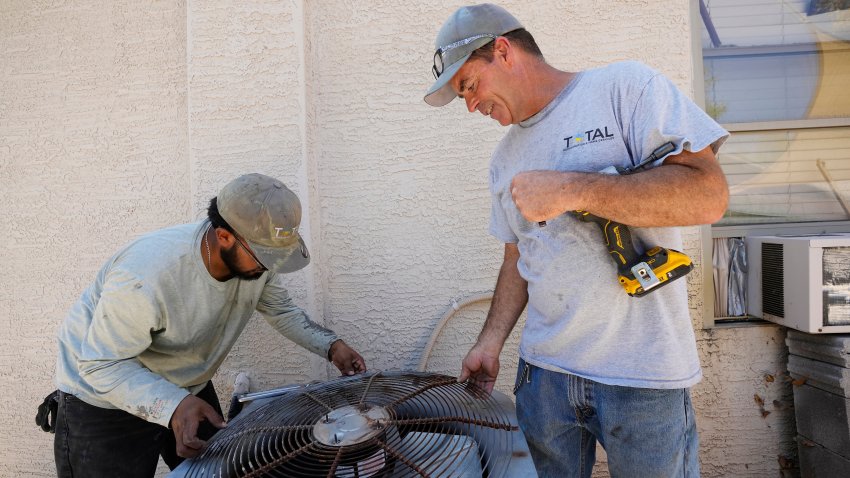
{"x": 595, "y": 364}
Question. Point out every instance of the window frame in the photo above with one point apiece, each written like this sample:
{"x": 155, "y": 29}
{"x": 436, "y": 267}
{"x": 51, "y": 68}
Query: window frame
{"x": 708, "y": 232}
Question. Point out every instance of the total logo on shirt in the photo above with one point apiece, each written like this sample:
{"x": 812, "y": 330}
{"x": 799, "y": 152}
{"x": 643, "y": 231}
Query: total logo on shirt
{"x": 593, "y": 135}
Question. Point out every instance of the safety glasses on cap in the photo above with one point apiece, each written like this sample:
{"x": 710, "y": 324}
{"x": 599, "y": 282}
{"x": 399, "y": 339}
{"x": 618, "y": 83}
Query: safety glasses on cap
{"x": 439, "y": 65}
{"x": 253, "y": 256}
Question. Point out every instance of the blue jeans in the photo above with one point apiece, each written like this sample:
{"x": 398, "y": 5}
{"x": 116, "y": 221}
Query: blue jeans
{"x": 94, "y": 442}
{"x": 645, "y": 432}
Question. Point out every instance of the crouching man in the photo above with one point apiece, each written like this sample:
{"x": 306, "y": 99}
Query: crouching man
{"x": 138, "y": 349}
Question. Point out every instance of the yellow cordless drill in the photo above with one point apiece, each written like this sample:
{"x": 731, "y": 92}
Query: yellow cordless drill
{"x": 639, "y": 274}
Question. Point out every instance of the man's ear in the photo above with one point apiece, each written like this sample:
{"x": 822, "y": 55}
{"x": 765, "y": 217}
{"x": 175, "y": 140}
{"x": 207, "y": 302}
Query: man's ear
{"x": 503, "y": 50}
{"x": 225, "y": 238}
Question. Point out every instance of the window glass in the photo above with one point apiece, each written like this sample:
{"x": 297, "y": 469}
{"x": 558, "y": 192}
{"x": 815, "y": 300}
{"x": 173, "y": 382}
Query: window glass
{"x": 768, "y": 61}
{"x": 787, "y": 176}
{"x": 775, "y": 60}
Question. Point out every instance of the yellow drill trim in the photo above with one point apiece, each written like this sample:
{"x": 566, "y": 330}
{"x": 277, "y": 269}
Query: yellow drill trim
{"x": 617, "y": 234}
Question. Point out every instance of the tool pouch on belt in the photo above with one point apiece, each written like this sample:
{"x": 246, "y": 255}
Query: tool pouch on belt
{"x": 46, "y": 416}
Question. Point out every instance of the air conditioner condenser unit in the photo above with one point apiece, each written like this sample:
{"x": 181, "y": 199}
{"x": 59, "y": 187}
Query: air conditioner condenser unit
{"x": 375, "y": 425}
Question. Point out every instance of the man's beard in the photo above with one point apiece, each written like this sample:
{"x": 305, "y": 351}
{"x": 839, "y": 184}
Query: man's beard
{"x": 228, "y": 256}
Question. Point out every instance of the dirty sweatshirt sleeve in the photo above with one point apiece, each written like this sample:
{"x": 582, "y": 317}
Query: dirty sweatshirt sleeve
{"x": 291, "y": 321}
{"x": 122, "y": 325}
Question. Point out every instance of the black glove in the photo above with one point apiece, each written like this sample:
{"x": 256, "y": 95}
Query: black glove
{"x": 46, "y": 416}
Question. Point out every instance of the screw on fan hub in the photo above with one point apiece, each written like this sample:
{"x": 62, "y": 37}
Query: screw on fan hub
{"x": 350, "y": 425}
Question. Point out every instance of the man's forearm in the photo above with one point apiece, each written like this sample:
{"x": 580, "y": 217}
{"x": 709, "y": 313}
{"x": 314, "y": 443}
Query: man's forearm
{"x": 509, "y": 300}
{"x": 297, "y": 327}
{"x": 688, "y": 189}
{"x": 291, "y": 321}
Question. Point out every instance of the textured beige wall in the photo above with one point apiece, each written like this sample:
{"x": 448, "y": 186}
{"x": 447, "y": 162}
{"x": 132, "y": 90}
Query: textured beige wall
{"x": 247, "y": 110}
{"x": 93, "y": 151}
{"x": 121, "y": 119}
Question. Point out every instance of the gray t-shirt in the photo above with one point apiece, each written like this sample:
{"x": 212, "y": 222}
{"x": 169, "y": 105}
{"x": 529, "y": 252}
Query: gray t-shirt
{"x": 580, "y": 320}
{"x": 155, "y": 326}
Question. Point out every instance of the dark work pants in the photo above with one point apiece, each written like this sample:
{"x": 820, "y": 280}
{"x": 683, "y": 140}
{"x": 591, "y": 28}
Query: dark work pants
{"x": 94, "y": 442}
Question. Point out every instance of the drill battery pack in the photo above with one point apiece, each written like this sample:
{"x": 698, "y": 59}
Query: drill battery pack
{"x": 657, "y": 267}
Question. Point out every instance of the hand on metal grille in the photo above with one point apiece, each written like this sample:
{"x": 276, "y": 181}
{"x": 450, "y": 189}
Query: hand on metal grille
{"x": 481, "y": 367}
{"x": 346, "y": 359}
{"x": 189, "y": 414}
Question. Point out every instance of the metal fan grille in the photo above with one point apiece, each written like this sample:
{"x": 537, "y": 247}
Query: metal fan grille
{"x": 398, "y": 424}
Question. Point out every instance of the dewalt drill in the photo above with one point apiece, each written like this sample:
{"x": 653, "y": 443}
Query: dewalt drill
{"x": 639, "y": 274}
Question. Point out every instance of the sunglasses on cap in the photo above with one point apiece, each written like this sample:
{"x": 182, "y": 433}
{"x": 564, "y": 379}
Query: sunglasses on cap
{"x": 250, "y": 253}
{"x": 438, "y": 67}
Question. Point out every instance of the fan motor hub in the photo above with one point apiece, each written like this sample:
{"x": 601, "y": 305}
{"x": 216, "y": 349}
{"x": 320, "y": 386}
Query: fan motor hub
{"x": 350, "y": 425}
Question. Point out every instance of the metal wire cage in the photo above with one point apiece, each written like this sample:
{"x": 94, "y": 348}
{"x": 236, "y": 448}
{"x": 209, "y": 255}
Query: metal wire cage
{"x": 381, "y": 424}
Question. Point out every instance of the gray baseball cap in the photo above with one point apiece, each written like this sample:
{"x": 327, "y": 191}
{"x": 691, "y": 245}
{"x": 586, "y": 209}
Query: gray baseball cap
{"x": 468, "y": 29}
{"x": 266, "y": 214}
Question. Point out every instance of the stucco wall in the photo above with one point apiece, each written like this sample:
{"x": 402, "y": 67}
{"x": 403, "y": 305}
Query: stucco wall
{"x": 122, "y": 119}
{"x": 93, "y": 152}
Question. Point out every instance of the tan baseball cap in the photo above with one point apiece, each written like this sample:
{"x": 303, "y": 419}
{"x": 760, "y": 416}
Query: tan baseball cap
{"x": 266, "y": 214}
{"x": 468, "y": 29}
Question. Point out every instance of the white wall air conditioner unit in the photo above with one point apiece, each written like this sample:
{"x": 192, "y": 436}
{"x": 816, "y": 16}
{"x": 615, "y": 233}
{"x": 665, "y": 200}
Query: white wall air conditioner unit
{"x": 801, "y": 282}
